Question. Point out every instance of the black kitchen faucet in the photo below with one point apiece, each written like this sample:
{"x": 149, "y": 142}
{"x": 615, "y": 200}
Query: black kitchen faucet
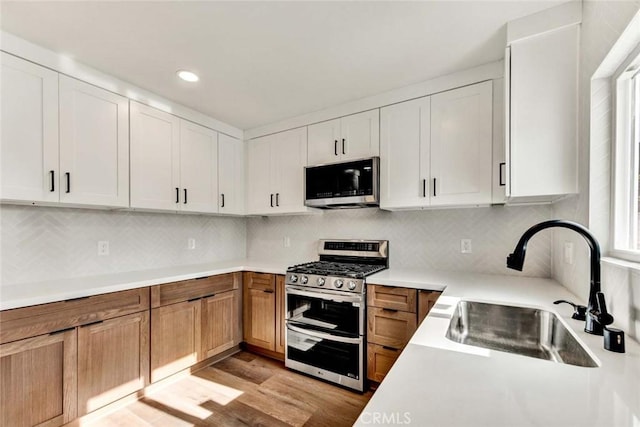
{"x": 596, "y": 312}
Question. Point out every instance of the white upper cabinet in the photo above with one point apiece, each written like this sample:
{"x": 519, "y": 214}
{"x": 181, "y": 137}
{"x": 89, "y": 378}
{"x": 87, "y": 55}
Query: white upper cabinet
{"x": 275, "y": 173}
{"x": 404, "y": 154}
{"x": 347, "y": 138}
{"x": 437, "y": 151}
{"x": 174, "y": 163}
{"x": 541, "y": 115}
{"x": 231, "y": 178}
{"x": 94, "y": 145}
{"x": 29, "y": 140}
{"x": 461, "y": 146}
{"x": 63, "y": 140}
{"x": 155, "y": 158}
{"x": 198, "y": 168}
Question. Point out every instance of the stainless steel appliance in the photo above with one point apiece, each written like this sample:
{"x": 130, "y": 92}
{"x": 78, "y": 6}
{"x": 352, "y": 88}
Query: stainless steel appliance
{"x": 325, "y": 310}
{"x": 343, "y": 185}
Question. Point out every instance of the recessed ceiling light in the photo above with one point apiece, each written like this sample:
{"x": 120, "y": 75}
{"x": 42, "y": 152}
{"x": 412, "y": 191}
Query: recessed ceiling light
{"x": 187, "y": 76}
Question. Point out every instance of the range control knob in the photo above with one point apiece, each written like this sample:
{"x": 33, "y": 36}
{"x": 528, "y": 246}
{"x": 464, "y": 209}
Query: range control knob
{"x": 320, "y": 281}
{"x": 351, "y": 285}
{"x": 293, "y": 278}
{"x": 304, "y": 280}
{"x": 338, "y": 283}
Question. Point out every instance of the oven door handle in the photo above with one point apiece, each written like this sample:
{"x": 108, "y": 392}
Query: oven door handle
{"x": 324, "y": 336}
{"x": 324, "y": 295}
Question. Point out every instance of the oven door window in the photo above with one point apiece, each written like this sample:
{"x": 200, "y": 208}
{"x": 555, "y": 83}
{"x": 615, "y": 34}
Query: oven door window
{"x": 342, "y": 357}
{"x": 322, "y": 314}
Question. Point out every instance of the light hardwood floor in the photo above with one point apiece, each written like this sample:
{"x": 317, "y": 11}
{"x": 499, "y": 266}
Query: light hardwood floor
{"x": 243, "y": 390}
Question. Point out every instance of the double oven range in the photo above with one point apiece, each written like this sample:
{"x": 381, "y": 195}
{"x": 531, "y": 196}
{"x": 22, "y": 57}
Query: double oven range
{"x": 325, "y": 310}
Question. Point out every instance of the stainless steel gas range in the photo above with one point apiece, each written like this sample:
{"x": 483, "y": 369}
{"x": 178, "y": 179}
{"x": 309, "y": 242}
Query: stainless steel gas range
{"x": 325, "y": 310}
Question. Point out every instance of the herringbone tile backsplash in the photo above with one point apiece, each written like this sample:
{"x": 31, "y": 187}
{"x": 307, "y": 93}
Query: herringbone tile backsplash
{"x": 417, "y": 239}
{"x": 41, "y": 243}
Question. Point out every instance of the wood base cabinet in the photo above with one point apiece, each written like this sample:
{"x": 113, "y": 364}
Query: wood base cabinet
{"x": 263, "y": 311}
{"x": 221, "y": 323}
{"x": 113, "y": 360}
{"x": 38, "y": 385}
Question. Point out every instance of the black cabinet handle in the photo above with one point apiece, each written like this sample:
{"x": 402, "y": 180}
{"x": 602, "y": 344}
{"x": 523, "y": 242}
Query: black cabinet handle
{"x": 68, "y": 176}
{"x": 61, "y": 331}
{"x": 501, "y": 180}
{"x": 424, "y": 188}
{"x": 271, "y": 199}
{"x": 343, "y": 149}
{"x": 177, "y": 195}
{"x": 222, "y": 205}
{"x": 92, "y": 323}
{"x": 434, "y": 187}
{"x": 335, "y": 147}
{"x": 53, "y": 182}
{"x": 268, "y": 291}
{"x": 386, "y": 347}
{"x": 392, "y": 310}
{"x": 277, "y": 199}
{"x": 185, "y": 196}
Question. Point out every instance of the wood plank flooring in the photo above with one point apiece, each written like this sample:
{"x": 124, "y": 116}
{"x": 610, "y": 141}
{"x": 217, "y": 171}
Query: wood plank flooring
{"x": 243, "y": 390}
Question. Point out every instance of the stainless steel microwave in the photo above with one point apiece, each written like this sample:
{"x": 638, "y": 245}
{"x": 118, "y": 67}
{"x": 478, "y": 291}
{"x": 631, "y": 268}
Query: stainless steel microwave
{"x": 352, "y": 184}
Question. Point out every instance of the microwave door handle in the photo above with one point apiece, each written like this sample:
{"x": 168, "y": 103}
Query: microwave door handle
{"x": 324, "y": 336}
{"x": 323, "y": 296}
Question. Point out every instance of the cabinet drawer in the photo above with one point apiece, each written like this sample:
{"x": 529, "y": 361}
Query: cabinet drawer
{"x": 426, "y": 301}
{"x": 261, "y": 281}
{"x": 171, "y": 293}
{"x": 403, "y": 299}
{"x": 380, "y": 359}
{"x": 390, "y": 328}
{"x": 36, "y": 320}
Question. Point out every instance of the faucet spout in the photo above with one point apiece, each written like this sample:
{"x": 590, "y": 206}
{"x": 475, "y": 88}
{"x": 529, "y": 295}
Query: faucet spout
{"x": 515, "y": 261}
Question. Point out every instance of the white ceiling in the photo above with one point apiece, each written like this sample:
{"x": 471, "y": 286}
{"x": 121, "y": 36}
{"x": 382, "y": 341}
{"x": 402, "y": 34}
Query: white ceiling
{"x": 260, "y": 62}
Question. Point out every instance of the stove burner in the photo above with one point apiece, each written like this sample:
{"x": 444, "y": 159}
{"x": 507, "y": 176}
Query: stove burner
{"x": 327, "y": 268}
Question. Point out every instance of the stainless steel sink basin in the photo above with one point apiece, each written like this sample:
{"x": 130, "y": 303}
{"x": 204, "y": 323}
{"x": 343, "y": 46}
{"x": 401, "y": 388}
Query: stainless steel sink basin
{"x": 520, "y": 330}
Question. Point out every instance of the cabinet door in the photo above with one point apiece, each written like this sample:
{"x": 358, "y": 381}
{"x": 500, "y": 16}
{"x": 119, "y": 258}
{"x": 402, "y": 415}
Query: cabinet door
{"x": 280, "y": 304}
{"x": 360, "y": 135}
{"x": 29, "y": 139}
{"x": 219, "y": 319}
{"x": 461, "y": 143}
{"x": 259, "y": 313}
{"x": 380, "y": 359}
{"x": 175, "y": 338}
{"x": 230, "y": 175}
{"x": 404, "y": 159}
{"x": 94, "y": 145}
{"x": 543, "y": 149}
{"x": 288, "y": 159}
{"x": 113, "y": 360}
{"x": 499, "y": 171}
{"x": 38, "y": 381}
{"x": 426, "y": 301}
{"x": 198, "y": 168}
{"x": 259, "y": 194}
{"x": 325, "y": 144}
{"x": 155, "y": 158}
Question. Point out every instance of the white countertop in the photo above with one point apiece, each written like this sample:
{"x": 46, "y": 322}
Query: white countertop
{"x": 23, "y": 295}
{"x": 436, "y": 382}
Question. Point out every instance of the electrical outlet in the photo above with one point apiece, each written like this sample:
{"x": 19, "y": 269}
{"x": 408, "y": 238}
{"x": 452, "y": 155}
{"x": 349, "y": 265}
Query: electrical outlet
{"x": 568, "y": 253}
{"x": 286, "y": 242}
{"x": 191, "y": 243}
{"x": 465, "y": 246}
{"x": 103, "y": 247}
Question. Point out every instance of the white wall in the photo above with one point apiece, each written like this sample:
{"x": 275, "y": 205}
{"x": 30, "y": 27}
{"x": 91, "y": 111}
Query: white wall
{"x": 39, "y": 243}
{"x": 602, "y": 24}
{"x": 417, "y": 239}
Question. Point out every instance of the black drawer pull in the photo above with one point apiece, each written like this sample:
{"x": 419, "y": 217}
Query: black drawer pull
{"x": 92, "y": 323}
{"x": 392, "y": 310}
{"x": 208, "y": 296}
{"x": 389, "y": 348}
{"x": 75, "y": 299}
{"x": 61, "y": 331}
{"x": 202, "y": 278}
{"x": 194, "y": 299}
{"x": 268, "y": 291}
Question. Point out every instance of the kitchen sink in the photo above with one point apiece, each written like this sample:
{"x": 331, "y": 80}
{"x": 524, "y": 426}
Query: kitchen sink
{"x": 520, "y": 330}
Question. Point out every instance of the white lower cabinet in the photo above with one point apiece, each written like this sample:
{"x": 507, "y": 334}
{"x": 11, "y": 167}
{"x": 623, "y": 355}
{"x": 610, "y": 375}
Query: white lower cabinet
{"x": 63, "y": 140}
{"x": 437, "y": 150}
{"x": 275, "y": 173}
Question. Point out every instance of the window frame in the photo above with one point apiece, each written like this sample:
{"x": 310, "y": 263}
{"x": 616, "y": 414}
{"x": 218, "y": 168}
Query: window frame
{"x": 625, "y": 159}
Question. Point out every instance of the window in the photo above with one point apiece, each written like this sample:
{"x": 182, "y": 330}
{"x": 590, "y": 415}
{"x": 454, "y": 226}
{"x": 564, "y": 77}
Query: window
{"x": 626, "y": 179}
